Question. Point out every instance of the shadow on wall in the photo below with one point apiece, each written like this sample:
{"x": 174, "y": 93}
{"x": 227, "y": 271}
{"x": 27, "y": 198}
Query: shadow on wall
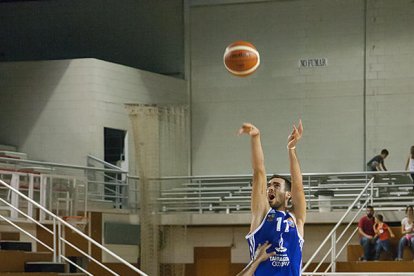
{"x": 26, "y": 89}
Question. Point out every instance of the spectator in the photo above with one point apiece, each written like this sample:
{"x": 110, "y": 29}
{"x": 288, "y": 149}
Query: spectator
{"x": 384, "y": 233}
{"x": 407, "y": 230}
{"x": 410, "y": 163}
{"x": 366, "y": 234}
{"x": 377, "y": 162}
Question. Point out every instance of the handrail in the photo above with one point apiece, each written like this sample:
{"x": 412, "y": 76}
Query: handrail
{"x": 234, "y": 176}
{"x": 337, "y": 225}
{"x": 88, "y": 256}
{"x": 61, "y": 165}
{"x": 340, "y": 237}
{"x": 74, "y": 229}
{"x": 103, "y": 162}
{"x": 76, "y": 265}
{"x": 346, "y": 243}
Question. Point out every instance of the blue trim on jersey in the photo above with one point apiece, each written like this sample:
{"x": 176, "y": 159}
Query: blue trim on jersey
{"x": 278, "y": 228}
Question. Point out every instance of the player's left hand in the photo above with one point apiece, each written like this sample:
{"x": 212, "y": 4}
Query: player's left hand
{"x": 295, "y": 136}
{"x": 261, "y": 255}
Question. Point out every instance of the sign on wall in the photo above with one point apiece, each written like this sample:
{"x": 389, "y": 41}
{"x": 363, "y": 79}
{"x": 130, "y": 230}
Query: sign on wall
{"x": 313, "y": 62}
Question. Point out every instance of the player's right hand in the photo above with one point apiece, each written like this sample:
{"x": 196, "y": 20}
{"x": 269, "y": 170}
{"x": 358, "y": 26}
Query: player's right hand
{"x": 249, "y": 129}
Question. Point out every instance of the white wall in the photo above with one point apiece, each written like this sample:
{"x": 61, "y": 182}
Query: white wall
{"x": 179, "y": 242}
{"x": 57, "y": 110}
{"x": 330, "y": 100}
{"x": 128, "y": 252}
{"x": 390, "y": 80}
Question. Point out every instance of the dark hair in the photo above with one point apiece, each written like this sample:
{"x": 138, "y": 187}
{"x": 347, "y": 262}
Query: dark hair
{"x": 385, "y": 152}
{"x": 370, "y": 207}
{"x": 412, "y": 151}
{"x": 288, "y": 184}
{"x": 379, "y": 217}
{"x": 408, "y": 207}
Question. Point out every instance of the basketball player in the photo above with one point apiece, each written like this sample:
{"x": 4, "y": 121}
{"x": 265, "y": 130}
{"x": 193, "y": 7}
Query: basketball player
{"x": 272, "y": 220}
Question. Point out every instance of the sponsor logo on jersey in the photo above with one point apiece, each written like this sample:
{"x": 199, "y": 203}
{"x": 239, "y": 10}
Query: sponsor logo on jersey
{"x": 290, "y": 222}
{"x": 270, "y": 217}
{"x": 281, "y": 258}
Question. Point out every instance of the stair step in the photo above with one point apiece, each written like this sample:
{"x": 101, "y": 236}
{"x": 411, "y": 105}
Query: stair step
{"x": 8, "y": 147}
{"x": 35, "y": 169}
{"x": 16, "y": 245}
{"x": 71, "y": 274}
{"x": 44, "y": 267}
{"x": 375, "y": 266}
{"x": 14, "y": 260}
{"x": 9, "y": 236}
{"x": 29, "y": 274}
{"x": 97, "y": 204}
{"x": 13, "y": 154}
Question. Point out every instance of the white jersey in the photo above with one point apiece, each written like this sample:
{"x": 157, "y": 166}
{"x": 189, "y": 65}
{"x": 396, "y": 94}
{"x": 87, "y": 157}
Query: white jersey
{"x": 407, "y": 226}
{"x": 411, "y": 165}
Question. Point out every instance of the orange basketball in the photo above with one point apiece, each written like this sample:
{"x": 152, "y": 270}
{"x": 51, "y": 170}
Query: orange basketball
{"x": 241, "y": 58}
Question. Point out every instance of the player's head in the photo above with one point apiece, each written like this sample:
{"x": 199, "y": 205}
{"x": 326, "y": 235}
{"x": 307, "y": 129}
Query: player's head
{"x": 384, "y": 153}
{"x": 379, "y": 218}
{"x": 409, "y": 210}
{"x": 412, "y": 151}
{"x": 370, "y": 211}
{"x": 278, "y": 192}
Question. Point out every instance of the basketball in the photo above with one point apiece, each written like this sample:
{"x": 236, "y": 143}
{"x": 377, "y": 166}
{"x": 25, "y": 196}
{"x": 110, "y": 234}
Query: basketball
{"x": 241, "y": 58}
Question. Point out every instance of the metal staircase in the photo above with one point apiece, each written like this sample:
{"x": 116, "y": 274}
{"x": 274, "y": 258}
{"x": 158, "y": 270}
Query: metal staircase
{"x": 59, "y": 241}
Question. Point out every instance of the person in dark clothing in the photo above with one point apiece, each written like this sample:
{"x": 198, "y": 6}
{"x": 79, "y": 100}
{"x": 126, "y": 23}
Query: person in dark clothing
{"x": 377, "y": 163}
{"x": 366, "y": 234}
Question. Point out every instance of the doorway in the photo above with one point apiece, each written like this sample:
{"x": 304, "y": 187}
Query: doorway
{"x": 212, "y": 261}
{"x": 115, "y": 153}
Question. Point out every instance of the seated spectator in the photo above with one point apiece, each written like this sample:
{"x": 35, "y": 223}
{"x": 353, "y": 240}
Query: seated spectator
{"x": 407, "y": 231}
{"x": 366, "y": 234}
{"x": 384, "y": 233}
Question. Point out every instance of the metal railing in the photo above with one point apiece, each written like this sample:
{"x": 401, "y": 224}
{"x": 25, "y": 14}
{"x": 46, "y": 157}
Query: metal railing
{"x": 323, "y": 191}
{"x": 333, "y": 252}
{"x": 60, "y": 193}
{"x": 59, "y": 240}
{"x": 109, "y": 185}
{"x": 105, "y": 183}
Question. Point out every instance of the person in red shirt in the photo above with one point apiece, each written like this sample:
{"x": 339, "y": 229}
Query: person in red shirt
{"x": 366, "y": 234}
{"x": 383, "y": 232}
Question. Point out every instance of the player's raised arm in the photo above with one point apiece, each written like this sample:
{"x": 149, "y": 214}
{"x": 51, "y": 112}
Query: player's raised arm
{"x": 259, "y": 203}
{"x": 297, "y": 192}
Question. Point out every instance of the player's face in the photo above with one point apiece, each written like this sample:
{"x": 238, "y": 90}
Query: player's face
{"x": 276, "y": 193}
